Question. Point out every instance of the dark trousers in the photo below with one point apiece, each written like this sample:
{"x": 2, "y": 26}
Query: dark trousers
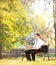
{"x": 31, "y": 52}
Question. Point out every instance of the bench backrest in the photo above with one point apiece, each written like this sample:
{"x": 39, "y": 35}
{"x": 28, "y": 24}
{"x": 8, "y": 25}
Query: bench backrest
{"x": 45, "y": 48}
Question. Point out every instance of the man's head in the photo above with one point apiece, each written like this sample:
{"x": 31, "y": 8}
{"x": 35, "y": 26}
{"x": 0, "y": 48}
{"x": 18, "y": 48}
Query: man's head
{"x": 37, "y": 36}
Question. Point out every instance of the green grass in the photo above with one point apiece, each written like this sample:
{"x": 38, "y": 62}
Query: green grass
{"x": 38, "y": 61}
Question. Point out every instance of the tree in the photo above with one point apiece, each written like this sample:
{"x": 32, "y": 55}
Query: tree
{"x": 14, "y": 23}
{"x": 54, "y": 14}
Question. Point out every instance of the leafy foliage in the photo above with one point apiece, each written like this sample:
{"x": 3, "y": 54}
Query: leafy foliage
{"x": 14, "y": 22}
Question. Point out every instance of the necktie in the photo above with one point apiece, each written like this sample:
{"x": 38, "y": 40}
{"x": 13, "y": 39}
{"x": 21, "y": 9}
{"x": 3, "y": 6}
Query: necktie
{"x": 35, "y": 43}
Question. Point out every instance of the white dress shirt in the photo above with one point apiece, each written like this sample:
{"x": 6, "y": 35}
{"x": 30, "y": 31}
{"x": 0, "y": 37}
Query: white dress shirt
{"x": 38, "y": 43}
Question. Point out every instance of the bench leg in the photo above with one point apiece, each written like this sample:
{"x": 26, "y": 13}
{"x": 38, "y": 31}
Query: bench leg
{"x": 22, "y": 58}
{"x": 23, "y": 55}
{"x": 44, "y": 56}
{"x": 48, "y": 56}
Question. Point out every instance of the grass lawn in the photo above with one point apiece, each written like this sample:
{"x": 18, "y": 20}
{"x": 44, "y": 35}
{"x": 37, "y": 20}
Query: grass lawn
{"x": 25, "y": 62}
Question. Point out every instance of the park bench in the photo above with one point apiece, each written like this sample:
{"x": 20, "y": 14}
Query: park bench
{"x": 21, "y": 52}
{"x": 44, "y": 52}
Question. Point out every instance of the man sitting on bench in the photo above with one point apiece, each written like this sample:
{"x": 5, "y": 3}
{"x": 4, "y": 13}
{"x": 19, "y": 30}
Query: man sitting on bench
{"x": 35, "y": 49}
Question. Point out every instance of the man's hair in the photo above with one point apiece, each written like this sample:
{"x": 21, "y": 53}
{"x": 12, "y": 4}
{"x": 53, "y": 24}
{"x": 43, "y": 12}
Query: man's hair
{"x": 38, "y": 34}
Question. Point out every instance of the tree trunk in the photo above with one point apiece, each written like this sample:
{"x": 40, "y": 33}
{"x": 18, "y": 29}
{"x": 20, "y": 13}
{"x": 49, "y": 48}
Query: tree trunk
{"x": 54, "y": 1}
{"x": 0, "y": 51}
